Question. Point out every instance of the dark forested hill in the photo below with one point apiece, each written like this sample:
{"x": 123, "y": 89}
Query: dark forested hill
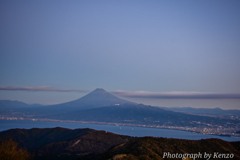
{"x": 36, "y": 138}
{"x": 86, "y": 144}
{"x": 32, "y": 138}
{"x": 149, "y": 148}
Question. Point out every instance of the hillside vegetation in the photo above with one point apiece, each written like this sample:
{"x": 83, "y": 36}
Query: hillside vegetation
{"x": 87, "y": 144}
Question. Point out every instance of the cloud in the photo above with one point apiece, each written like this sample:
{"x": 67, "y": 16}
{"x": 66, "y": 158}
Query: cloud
{"x": 176, "y": 95}
{"x": 137, "y": 94}
{"x": 40, "y": 88}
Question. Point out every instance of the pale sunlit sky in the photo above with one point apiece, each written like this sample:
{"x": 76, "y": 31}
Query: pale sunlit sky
{"x": 61, "y": 50}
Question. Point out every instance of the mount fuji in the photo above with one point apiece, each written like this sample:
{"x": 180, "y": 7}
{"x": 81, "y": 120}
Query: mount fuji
{"x": 95, "y": 99}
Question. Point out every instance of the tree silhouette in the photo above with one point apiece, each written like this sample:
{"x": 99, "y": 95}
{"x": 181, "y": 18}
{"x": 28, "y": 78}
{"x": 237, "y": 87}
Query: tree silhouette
{"x": 9, "y": 150}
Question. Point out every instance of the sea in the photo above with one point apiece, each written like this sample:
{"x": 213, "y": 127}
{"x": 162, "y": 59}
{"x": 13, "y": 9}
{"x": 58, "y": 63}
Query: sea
{"x": 122, "y": 130}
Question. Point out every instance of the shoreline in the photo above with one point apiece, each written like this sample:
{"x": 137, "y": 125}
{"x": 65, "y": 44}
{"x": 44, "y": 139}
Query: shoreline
{"x": 116, "y": 124}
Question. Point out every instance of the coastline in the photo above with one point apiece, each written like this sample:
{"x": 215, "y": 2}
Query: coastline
{"x": 188, "y": 129}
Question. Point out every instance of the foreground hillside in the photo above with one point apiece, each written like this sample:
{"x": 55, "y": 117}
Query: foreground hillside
{"x": 55, "y": 141}
{"x": 149, "y": 148}
{"x": 86, "y": 144}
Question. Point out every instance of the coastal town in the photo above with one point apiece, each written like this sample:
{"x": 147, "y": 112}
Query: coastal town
{"x": 221, "y": 130}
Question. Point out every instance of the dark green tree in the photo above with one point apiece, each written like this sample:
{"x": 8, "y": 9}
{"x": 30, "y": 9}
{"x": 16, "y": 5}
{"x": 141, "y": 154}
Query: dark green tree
{"x": 9, "y": 150}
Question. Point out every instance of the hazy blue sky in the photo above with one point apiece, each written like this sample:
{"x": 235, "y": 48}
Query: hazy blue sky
{"x": 137, "y": 45}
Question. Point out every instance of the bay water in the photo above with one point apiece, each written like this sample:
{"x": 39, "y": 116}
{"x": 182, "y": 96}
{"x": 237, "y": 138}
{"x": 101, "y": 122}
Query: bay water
{"x": 122, "y": 130}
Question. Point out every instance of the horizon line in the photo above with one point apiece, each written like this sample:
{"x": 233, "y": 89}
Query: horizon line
{"x": 136, "y": 94}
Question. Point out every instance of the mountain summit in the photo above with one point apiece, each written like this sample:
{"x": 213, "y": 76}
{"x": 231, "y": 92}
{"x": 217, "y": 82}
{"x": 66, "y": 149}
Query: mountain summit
{"x": 99, "y": 95}
{"x": 97, "y": 98}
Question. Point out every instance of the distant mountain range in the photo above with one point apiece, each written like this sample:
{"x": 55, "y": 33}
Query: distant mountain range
{"x": 97, "y": 98}
{"x": 140, "y": 114}
{"x": 87, "y": 144}
{"x": 103, "y": 107}
{"x": 8, "y": 104}
{"x": 205, "y": 111}
{"x": 101, "y": 98}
